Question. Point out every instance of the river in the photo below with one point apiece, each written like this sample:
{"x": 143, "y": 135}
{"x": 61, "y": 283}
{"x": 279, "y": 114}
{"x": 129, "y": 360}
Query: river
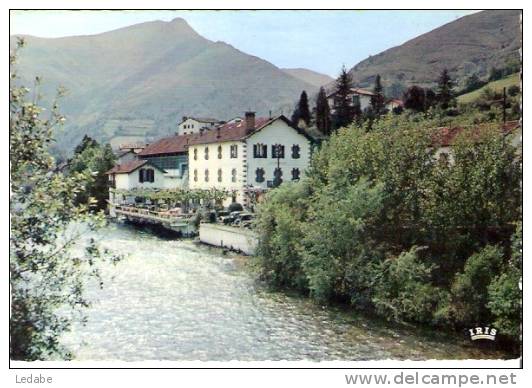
{"x": 178, "y": 300}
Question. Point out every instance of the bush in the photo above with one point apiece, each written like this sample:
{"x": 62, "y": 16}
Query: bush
{"x": 470, "y": 288}
{"x": 504, "y": 294}
{"x": 235, "y": 207}
{"x": 514, "y": 90}
{"x": 404, "y": 291}
{"x": 279, "y": 224}
{"x": 349, "y": 231}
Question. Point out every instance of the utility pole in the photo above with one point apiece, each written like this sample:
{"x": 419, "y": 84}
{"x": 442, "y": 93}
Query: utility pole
{"x": 276, "y": 179}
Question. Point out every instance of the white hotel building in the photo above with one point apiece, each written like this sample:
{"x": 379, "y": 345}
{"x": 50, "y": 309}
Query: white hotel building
{"x": 243, "y": 154}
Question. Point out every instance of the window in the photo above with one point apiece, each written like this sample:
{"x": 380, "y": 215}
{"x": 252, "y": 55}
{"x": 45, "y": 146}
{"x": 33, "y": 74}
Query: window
{"x": 184, "y": 168}
{"x": 234, "y": 151}
{"x": 259, "y": 175}
{"x": 220, "y": 152}
{"x": 195, "y": 175}
{"x": 146, "y": 175}
{"x": 295, "y": 151}
{"x": 206, "y": 175}
{"x": 195, "y": 154}
{"x": 219, "y": 175}
{"x": 277, "y": 151}
{"x": 356, "y": 100}
{"x": 150, "y": 174}
{"x": 167, "y": 162}
{"x": 233, "y": 175}
{"x": 206, "y": 153}
{"x": 295, "y": 174}
{"x": 260, "y": 151}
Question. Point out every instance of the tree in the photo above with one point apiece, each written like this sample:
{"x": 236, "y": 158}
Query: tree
{"x": 430, "y": 98}
{"x": 445, "y": 93}
{"x": 46, "y": 274}
{"x": 302, "y": 112}
{"x": 95, "y": 159}
{"x": 495, "y": 74}
{"x": 414, "y": 98}
{"x": 323, "y": 113}
{"x": 343, "y": 107}
{"x": 378, "y": 103}
{"x": 86, "y": 142}
{"x": 380, "y": 223}
{"x": 472, "y": 83}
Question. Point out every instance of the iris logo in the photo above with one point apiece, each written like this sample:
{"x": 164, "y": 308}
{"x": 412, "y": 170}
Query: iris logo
{"x": 478, "y": 333}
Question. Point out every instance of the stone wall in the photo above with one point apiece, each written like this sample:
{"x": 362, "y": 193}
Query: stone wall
{"x": 230, "y": 237}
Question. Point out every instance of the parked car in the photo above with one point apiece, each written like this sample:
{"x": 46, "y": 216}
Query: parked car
{"x": 243, "y": 219}
{"x": 227, "y": 220}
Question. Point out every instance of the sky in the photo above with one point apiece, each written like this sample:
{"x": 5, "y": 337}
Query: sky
{"x": 322, "y": 41}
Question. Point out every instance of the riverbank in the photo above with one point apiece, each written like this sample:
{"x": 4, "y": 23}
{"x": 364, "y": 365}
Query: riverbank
{"x": 172, "y": 299}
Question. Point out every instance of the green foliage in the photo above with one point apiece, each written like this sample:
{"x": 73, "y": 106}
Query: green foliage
{"x": 279, "y": 220}
{"x": 302, "y": 111}
{"x": 469, "y": 289}
{"x": 335, "y": 247}
{"x": 177, "y": 196}
{"x": 414, "y": 98}
{"x": 445, "y": 94}
{"x": 404, "y": 290}
{"x": 50, "y": 255}
{"x": 343, "y": 108}
{"x": 504, "y": 294}
{"x": 382, "y": 223}
{"x": 473, "y": 82}
{"x": 96, "y": 160}
{"x": 323, "y": 113}
{"x": 377, "y": 99}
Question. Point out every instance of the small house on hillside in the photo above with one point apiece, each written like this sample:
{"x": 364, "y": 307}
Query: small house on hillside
{"x": 443, "y": 138}
{"x": 357, "y": 96}
{"x": 190, "y": 125}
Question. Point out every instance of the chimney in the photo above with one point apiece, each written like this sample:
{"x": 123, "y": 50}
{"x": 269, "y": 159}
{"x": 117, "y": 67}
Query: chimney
{"x": 218, "y": 132}
{"x": 250, "y": 122}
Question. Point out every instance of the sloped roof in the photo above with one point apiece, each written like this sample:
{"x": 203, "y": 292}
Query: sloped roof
{"x": 169, "y": 145}
{"x": 228, "y": 132}
{"x": 235, "y": 131}
{"x": 445, "y": 136}
{"x": 129, "y": 167}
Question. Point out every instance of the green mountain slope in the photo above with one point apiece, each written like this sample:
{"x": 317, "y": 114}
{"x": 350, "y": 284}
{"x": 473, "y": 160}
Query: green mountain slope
{"x": 310, "y": 76}
{"x": 140, "y": 80}
{"x": 471, "y": 44}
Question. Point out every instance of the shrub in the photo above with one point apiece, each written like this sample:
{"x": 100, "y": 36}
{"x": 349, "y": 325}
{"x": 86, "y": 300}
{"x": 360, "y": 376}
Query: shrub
{"x": 504, "y": 294}
{"x": 404, "y": 290}
{"x": 235, "y": 207}
{"x": 469, "y": 289}
{"x": 514, "y": 90}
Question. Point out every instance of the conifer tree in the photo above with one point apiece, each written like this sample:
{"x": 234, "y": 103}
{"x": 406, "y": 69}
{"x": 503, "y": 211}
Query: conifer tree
{"x": 343, "y": 108}
{"x": 323, "y": 113}
{"x": 378, "y": 100}
{"x": 445, "y": 93}
{"x": 302, "y": 111}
